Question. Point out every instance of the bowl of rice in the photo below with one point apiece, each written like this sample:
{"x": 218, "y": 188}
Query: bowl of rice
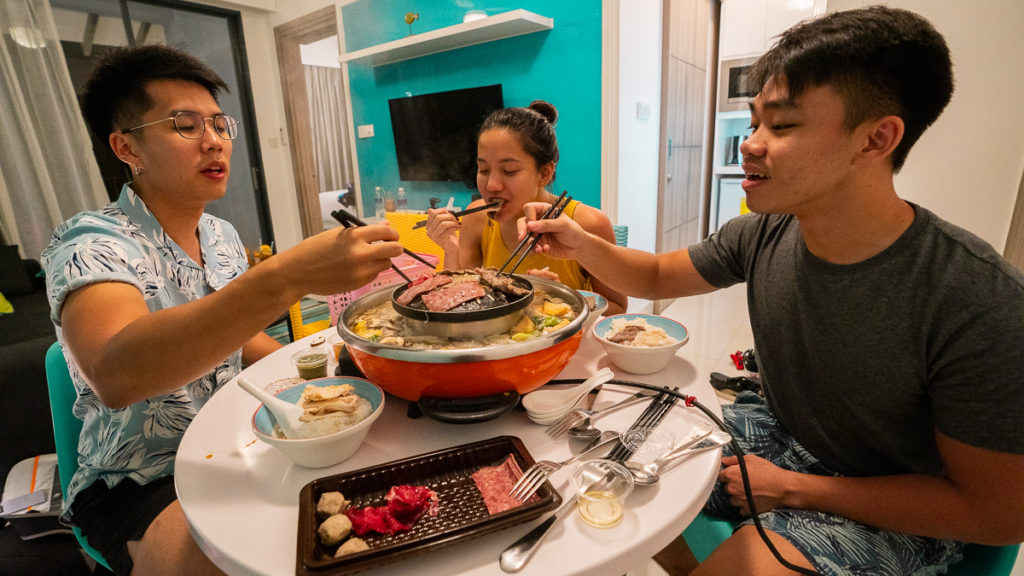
{"x": 640, "y": 343}
{"x": 339, "y": 413}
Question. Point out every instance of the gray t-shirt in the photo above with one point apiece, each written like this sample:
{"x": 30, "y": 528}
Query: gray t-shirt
{"x": 863, "y": 362}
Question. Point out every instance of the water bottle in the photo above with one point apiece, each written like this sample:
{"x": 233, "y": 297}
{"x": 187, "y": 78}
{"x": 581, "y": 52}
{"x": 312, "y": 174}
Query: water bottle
{"x": 378, "y": 202}
{"x": 403, "y": 202}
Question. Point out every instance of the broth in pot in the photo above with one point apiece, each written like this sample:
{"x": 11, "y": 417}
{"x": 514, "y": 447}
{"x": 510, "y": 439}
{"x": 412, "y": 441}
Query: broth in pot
{"x": 412, "y": 358}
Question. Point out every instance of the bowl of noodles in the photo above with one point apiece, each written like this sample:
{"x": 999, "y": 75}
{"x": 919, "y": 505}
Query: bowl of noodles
{"x": 413, "y": 359}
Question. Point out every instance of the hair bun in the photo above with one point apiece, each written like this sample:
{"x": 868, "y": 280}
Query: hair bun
{"x": 545, "y": 109}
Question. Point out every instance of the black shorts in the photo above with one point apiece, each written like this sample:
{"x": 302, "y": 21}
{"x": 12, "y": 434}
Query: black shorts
{"x": 111, "y": 517}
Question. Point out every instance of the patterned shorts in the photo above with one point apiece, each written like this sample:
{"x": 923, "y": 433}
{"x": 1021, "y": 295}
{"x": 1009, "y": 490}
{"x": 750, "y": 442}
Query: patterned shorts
{"x": 835, "y": 545}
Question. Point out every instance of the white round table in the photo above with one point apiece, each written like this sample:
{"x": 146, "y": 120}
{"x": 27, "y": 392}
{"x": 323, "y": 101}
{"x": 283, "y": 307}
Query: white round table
{"x": 241, "y": 496}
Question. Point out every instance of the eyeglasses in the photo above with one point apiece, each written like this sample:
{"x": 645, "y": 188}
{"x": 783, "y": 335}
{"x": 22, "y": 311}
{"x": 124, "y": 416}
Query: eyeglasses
{"x": 192, "y": 126}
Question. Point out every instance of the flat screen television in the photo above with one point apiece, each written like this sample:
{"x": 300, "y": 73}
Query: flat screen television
{"x": 435, "y": 134}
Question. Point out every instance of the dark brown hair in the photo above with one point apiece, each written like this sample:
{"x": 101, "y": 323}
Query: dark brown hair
{"x": 115, "y": 95}
{"x": 534, "y": 126}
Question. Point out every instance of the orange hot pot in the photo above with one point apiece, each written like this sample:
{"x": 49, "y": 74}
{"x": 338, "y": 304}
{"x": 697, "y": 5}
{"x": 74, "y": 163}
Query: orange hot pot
{"x": 464, "y": 372}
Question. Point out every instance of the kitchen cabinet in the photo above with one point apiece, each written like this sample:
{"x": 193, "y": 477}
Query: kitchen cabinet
{"x": 749, "y": 26}
{"x": 742, "y": 28}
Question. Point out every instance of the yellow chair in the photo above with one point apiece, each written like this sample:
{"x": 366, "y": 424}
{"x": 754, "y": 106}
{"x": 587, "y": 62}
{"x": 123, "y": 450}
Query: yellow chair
{"x": 297, "y": 329}
{"x": 415, "y": 240}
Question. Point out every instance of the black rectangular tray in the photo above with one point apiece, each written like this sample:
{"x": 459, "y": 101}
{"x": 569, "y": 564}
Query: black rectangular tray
{"x": 462, "y": 514}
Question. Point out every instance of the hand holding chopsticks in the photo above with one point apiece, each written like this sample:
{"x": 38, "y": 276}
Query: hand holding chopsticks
{"x": 349, "y": 221}
{"x": 530, "y": 240}
{"x": 489, "y": 206}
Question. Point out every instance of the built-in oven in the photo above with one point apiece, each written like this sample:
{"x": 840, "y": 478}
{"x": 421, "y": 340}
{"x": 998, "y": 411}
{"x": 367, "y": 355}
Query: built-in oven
{"x": 733, "y": 91}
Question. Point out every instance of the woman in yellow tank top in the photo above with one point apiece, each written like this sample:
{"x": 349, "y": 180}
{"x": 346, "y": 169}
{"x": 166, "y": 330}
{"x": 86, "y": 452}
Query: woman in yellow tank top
{"x": 517, "y": 153}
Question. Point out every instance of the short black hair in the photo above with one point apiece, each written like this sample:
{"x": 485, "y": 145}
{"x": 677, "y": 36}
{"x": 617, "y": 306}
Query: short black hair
{"x": 115, "y": 95}
{"x": 882, "y": 61}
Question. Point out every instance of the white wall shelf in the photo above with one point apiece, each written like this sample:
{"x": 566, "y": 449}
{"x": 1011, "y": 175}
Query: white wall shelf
{"x": 489, "y": 29}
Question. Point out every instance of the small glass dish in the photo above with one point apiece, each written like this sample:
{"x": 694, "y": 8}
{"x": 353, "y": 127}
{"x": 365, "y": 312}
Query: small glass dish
{"x": 311, "y": 363}
{"x": 602, "y": 487}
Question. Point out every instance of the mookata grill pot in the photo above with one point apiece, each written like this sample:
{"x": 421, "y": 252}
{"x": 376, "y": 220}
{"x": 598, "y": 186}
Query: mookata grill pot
{"x": 479, "y": 371}
{"x": 470, "y": 324}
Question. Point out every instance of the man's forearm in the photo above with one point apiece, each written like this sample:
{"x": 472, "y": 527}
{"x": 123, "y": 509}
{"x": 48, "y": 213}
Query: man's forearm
{"x": 918, "y": 504}
{"x": 155, "y": 353}
{"x": 641, "y": 274}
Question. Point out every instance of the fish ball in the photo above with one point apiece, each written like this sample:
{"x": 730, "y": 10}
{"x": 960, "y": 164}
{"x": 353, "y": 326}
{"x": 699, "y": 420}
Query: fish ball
{"x": 334, "y": 529}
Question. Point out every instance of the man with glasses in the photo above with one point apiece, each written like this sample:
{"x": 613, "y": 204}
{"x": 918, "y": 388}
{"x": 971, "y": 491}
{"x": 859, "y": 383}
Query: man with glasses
{"x": 193, "y": 126}
{"x": 154, "y": 306}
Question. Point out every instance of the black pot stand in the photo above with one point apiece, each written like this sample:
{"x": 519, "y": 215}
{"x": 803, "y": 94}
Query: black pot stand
{"x": 464, "y": 410}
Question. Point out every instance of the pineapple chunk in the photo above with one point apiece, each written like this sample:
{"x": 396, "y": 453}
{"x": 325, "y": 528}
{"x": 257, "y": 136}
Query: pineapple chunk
{"x": 525, "y": 325}
{"x": 558, "y": 326}
{"x": 560, "y": 309}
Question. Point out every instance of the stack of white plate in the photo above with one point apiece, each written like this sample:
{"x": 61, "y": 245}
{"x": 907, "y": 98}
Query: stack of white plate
{"x": 545, "y": 407}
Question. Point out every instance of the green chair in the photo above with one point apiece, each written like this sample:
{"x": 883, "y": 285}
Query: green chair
{"x": 704, "y": 534}
{"x": 66, "y": 429}
{"x": 621, "y": 234}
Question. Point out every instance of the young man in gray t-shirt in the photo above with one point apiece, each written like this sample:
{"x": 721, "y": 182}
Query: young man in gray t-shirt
{"x": 890, "y": 342}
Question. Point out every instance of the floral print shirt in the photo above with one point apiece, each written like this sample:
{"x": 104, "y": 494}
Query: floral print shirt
{"x": 124, "y": 242}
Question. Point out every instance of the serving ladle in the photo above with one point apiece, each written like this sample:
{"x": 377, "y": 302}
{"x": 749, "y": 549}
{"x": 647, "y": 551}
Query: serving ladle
{"x": 285, "y": 413}
{"x": 648, "y": 474}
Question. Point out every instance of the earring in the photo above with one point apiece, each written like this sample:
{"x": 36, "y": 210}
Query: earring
{"x": 136, "y": 169}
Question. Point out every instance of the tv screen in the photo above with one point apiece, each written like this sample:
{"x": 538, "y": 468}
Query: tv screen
{"x": 435, "y": 134}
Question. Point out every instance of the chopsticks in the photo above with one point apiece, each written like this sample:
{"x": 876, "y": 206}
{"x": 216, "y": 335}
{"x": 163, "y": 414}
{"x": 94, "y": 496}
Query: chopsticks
{"x": 494, "y": 204}
{"x": 553, "y": 212}
{"x": 348, "y": 221}
{"x": 648, "y": 420}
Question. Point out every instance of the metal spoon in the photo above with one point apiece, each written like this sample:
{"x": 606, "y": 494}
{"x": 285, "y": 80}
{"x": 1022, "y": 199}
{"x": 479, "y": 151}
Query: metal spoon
{"x": 647, "y": 474}
{"x": 585, "y": 429}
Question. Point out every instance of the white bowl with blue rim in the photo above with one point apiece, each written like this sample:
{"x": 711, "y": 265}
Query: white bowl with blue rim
{"x": 599, "y": 308}
{"x": 641, "y": 359}
{"x": 330, "y": 449}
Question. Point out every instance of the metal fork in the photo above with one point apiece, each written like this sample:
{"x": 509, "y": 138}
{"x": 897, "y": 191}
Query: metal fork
{"x": 536, "y": 475}
{"x": 576, "y": 416}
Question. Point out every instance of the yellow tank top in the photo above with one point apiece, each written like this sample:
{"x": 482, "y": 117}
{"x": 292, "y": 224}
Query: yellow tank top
{"x": 495, "y": 254}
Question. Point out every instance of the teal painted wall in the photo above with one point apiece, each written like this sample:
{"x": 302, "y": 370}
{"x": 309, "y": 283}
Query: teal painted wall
{"x": 561, "y": 65}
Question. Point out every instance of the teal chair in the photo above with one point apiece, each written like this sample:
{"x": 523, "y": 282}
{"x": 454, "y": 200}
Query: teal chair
{"x": 66, "y": 429}
{"x": 704, "y": 534}
{"x": 621, "y": 234}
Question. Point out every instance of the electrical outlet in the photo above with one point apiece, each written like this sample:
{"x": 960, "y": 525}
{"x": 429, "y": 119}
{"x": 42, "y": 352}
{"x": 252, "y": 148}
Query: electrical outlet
{"x": 643, "y": 110}
{"x": 366, "y": 131}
